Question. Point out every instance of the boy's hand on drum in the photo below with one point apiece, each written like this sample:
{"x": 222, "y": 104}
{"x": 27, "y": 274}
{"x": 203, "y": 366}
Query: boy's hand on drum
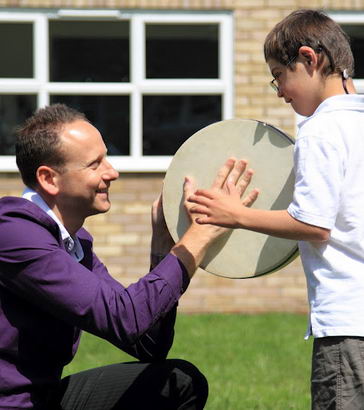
{"x": 222, "y": 204}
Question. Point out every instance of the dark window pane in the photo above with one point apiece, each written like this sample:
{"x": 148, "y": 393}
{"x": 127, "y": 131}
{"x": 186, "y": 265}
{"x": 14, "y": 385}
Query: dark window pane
{"x": 109, "y": 114}
{"x": 87, "y": 51}
{"x": 169, "y": 120}
{"x": 182, "y": 51}
{"x": 356, "y": 33}
{"x": 14, "y": 110}
{"x": 16, "y": 49}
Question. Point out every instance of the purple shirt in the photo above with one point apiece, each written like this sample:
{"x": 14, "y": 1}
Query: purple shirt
{"x": 46, "y": 298}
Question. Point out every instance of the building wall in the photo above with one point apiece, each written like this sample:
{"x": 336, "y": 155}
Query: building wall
{"x": 122, "y": 236}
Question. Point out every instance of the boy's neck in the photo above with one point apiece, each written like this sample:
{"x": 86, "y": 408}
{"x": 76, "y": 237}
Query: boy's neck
{"x": 334, "y": 85}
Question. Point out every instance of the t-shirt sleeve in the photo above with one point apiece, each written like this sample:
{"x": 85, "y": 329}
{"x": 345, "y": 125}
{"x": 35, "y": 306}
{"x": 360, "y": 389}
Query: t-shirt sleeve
{"x": 319, "y": 172}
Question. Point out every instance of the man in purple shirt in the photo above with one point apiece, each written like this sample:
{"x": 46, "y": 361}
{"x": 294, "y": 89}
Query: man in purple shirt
{"x": 52, "y": 285}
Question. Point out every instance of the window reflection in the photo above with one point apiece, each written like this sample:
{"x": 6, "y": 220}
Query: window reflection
{"x": 89, "y": 51}
{"x": 14, "y": 110}
{"x": 182, "y": 51}
{"x": 16, "y": 49}
{"x": 169, "y": 120}
{"x": 109, "y": 114}
{"x": 356, "y": 33}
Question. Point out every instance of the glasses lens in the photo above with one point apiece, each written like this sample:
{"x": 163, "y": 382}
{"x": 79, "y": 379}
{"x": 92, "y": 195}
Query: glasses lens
{"x": 274, "y": 85}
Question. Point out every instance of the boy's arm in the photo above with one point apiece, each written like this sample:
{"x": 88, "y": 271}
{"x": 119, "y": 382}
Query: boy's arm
{"x": 226, "y": 209}
{"x": 282, "y": 225}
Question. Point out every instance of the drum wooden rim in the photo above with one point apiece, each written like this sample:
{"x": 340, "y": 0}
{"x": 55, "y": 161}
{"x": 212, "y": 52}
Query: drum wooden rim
{"x": 239, "y": 254}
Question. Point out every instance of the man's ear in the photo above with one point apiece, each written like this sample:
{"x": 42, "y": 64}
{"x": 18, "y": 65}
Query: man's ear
{"x": 309, "y": 56}
{"x": 47, "y": 179}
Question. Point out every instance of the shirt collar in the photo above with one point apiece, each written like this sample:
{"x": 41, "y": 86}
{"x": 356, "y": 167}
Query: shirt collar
{"x": 351, "y": 102}
{"x": 72, "y": 244}
{"x": 342, "y": 101}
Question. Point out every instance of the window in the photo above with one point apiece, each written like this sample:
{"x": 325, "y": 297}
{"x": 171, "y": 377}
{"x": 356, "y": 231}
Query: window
{"x": 88, "y": 51}
{"x": 17, "y": 60}
{"x": 168, "y": 120}
{"x": 353, "y": 25}
{"x": 182, "y": 51}
{"x": 147, "y": 81}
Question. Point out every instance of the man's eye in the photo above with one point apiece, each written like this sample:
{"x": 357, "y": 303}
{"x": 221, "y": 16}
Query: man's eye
{"x": 94, "y": 164}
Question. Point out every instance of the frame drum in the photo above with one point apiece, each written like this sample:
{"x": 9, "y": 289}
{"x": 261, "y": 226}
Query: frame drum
{"x": 238, "y": 253}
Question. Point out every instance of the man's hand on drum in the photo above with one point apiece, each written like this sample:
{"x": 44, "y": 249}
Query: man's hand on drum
{"x": 222, "y": 204}
{"x": 162, "y": 241}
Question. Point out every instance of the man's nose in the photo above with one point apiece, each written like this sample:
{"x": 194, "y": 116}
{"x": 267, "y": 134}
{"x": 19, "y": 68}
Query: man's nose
{"x": 110, "y": 172}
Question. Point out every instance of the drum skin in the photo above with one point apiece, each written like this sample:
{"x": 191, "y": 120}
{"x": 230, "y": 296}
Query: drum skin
{"x": 238, "y": 253}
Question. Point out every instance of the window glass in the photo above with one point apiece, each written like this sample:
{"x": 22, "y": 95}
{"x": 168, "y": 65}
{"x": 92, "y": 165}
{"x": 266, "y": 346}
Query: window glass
{"x": 109, "y": 114}
{"x": 145, "y": 110}
{"x": 356, "y": 33}
{"x": 182, "y": 51}
{"x": 14, "y": 110}
{"x": 168, "y": 120}
{"x": 89, "y": 51}
{"x": 16, "y": 48}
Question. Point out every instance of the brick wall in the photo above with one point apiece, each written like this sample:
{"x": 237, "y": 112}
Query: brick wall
{"x": 122, "y": 236}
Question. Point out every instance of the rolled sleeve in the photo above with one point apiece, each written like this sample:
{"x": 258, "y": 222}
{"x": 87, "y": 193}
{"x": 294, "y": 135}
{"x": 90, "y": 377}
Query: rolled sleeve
{"x": 319, "y": 175}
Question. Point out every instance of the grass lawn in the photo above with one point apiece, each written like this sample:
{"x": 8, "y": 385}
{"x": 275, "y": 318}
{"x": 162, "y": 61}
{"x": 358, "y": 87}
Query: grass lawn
{"x": 257, "y": 362}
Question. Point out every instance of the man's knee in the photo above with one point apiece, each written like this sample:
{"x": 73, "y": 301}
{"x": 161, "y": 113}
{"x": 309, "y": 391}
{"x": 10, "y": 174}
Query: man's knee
{"x": 190, "y": 380}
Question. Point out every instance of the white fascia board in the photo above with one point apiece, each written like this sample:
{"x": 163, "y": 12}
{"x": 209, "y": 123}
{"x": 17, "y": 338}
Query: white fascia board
{"x": 347, "y": 18}
{"x": 90, "y": 88}
{"x": 8, "y": 163}
{"x": 188, "y": 86}
{"x": 120, "y": 163}
{"x": 88, "y": 13}
{"x": 141, "y": 164}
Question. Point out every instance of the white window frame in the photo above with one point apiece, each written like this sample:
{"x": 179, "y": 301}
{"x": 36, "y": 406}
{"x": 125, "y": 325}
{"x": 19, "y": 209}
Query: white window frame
{"x": 138, "y": 85}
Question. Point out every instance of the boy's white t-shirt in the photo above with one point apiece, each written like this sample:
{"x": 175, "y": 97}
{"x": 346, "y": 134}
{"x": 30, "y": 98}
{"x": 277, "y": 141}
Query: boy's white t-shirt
{"x": 329, "y": 192}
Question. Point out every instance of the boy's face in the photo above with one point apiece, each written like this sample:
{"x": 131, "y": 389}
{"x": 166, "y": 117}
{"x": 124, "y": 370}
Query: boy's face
{"x": 298, "y": 84}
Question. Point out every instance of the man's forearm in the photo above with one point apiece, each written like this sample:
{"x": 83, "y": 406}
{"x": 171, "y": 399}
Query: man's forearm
{"x": 192, "y": 247}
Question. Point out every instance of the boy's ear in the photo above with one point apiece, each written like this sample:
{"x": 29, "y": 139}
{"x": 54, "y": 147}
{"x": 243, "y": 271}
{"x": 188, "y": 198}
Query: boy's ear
{"x": 47, "y": 179}
{"x": 309, "y": 55}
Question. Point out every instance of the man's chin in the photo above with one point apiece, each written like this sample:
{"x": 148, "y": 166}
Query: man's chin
{"x": 101, "y": 208}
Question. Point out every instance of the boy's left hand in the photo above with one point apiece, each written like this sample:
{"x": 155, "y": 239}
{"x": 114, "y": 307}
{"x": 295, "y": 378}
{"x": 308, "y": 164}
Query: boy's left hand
{"x": 222, "y": 204}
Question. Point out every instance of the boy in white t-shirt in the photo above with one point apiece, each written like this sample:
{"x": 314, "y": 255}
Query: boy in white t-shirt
{"x": 311, "y": 62}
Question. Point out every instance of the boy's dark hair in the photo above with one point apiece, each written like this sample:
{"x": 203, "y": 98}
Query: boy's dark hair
{"x": 38, "y": 140}
{"x": 312, "y": 28}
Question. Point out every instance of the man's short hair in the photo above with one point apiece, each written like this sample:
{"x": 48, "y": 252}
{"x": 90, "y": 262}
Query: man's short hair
{"x": 312, "y": 28}
{"x": 38, "y": 140}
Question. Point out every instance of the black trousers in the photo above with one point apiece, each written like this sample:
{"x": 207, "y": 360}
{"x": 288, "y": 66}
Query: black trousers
{"x": 166, "y": 385}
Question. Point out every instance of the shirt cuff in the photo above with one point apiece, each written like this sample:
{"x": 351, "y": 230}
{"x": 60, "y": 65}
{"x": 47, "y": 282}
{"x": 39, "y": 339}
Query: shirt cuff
{"x": 172, "y": 270}
{"x": 310, "y": 219}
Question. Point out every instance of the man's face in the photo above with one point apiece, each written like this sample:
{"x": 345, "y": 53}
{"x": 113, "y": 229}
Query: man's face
{"x": 84, "y": 185}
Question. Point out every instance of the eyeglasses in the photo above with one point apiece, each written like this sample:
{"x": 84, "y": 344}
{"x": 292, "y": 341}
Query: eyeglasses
{"x": 320, "y": 48}
{"x": 274, "y": 82}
